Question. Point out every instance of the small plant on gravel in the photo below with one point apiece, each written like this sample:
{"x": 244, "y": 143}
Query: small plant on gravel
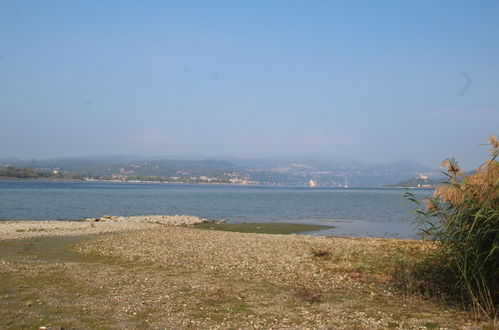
{"x": 318, "y": 252}
{"x": 308, "y": 295}
{"x": 221, "y": 294}
{"x": 463, "y": 216}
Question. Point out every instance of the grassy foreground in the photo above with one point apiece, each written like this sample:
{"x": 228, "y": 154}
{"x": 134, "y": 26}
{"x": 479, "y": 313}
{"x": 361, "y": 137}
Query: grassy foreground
{"x": 174, "y": 277}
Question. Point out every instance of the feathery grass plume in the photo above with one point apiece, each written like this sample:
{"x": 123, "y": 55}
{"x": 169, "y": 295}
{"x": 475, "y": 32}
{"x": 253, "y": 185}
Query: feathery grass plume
{"x": 494, "y": 142}
{"x": 463, "y": 215}
{"x": 481, "y": 187}
{"x": 452, "y": 167}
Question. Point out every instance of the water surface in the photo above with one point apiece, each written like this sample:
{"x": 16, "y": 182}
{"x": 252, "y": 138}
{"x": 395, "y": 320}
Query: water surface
{"x": 353, "y": 212}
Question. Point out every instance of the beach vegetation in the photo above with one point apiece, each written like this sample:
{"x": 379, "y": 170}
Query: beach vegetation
{"x": 319, "y": 252}
{"x": 309, "y": 295}
{"x": 463, "y": 217}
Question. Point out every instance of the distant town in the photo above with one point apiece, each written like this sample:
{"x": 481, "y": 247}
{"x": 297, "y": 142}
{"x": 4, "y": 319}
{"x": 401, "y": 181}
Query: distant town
{"x": 282, "y": 172}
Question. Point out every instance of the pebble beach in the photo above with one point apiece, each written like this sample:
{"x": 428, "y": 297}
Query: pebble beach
{"x": 161, "y": 272}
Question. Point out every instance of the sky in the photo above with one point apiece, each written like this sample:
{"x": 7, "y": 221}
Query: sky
{"x": 374, "y": 81}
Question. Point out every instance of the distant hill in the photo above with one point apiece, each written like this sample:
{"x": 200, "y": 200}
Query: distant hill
{"x": 278, "y": 171}
{"x": 422, "y": 181}
{"x": 418, "y": 182}
{"x": 332, "y": 173}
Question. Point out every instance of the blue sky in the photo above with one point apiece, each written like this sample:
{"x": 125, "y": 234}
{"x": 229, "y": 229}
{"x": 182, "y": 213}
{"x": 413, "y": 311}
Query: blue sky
{"x": 376, "y": 81}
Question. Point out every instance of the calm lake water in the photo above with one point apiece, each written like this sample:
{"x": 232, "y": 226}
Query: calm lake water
{"x": 353, "y": 212}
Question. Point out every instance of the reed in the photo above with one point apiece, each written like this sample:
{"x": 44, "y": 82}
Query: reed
{"x": 463, "y": 215}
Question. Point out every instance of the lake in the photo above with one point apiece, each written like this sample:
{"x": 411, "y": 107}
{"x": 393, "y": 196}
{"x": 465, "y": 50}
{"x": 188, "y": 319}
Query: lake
{"x": 353, "y": 212}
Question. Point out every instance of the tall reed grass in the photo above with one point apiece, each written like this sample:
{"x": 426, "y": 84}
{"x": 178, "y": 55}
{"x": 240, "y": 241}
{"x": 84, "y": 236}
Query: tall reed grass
{"x": 463, "y": 216}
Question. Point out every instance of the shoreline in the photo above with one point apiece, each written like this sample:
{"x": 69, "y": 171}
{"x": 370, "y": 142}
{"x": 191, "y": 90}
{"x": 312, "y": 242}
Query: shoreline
{"x": 17, "y": 229}
{"x": 14, "y": 229}
{"x": 108, "y": 223}
{"x": 120, "y": 181}
{"x": 210, "y": 183}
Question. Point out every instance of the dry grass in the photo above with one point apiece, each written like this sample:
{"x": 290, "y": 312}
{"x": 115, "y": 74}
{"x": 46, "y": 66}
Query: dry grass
{"x": 463, "y": 216}
{"x": 482, "y": 186}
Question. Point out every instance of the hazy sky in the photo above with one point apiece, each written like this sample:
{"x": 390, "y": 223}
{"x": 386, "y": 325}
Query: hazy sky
{"x": 377, "y": 81}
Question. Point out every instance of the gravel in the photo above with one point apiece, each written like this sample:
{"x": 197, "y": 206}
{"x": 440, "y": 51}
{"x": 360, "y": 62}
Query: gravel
{"x": 105, "y": 224}
{"x": 155, "y": 272}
